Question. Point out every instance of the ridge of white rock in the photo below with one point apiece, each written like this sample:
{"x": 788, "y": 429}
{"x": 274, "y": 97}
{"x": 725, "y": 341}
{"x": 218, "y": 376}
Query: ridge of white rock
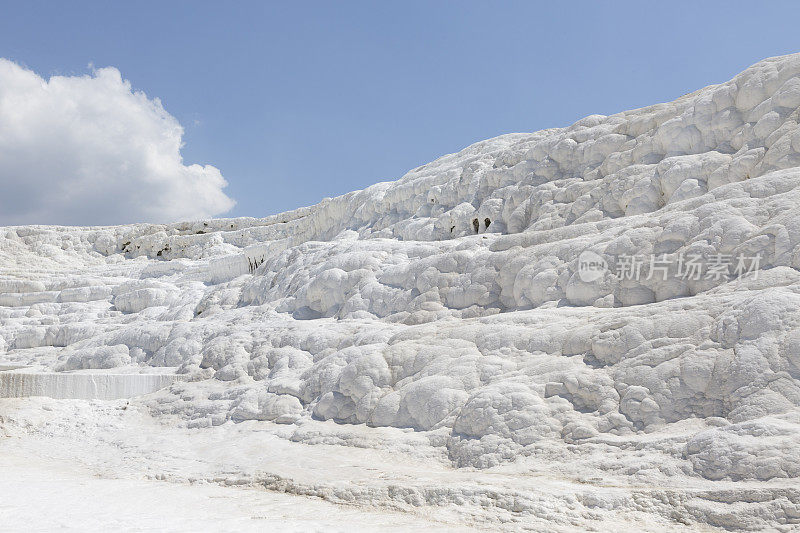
{"x": 451, "y": 302}
{"x": 84, "y": 386}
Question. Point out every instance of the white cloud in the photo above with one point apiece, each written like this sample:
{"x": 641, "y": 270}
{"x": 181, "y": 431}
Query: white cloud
{"x": 89, "y": 150}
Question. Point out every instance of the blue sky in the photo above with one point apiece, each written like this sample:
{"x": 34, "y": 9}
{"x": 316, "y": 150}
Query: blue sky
{"x": 297, "y": 101}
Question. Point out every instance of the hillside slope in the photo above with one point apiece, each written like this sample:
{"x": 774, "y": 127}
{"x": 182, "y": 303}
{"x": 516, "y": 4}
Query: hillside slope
{"x": 458, "y": 302}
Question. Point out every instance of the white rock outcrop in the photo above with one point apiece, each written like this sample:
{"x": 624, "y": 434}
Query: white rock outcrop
{"x": 452, "y": 300}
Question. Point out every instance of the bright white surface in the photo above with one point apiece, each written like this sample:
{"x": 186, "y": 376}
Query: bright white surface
{"x": 379, "y": 470}
{"x": 396, "y": 319}
{"x": 78, "y": 500}
{"x": 81, "y": 386}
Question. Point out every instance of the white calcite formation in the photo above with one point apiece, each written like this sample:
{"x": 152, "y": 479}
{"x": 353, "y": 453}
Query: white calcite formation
{"x": 451, "y": 302}
{"x": 87, "y": 386}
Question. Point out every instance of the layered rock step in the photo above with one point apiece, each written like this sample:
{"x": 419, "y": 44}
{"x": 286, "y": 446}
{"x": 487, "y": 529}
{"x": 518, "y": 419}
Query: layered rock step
{"x": 18, "y": 383}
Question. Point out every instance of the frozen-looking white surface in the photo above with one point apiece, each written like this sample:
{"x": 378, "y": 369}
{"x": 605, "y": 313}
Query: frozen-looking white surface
{"x": 86, "y": 386}
{"x": 443, "y": 318}
{"x": 79, "y": 500}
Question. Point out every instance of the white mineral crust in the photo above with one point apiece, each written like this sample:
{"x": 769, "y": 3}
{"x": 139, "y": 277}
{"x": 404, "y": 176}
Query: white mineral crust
{"x": 435, "y": 330}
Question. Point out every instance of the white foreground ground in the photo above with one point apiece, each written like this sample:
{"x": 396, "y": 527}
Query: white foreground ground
{"x": 469, "y": 346}
{"x": 79, "y": 499}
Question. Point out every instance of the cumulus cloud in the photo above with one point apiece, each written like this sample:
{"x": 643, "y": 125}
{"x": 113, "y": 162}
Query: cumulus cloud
{"x": 89, "y": 150}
